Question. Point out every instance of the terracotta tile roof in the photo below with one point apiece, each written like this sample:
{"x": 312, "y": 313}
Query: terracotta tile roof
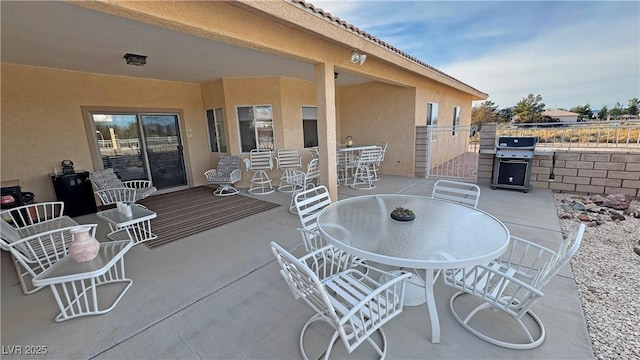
{"x": 336, "y": 20}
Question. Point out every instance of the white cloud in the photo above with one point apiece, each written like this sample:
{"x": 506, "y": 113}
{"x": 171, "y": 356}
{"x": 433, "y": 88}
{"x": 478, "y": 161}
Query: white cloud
{"x": 587, "y": 62}
{"x": 571, "y": 53}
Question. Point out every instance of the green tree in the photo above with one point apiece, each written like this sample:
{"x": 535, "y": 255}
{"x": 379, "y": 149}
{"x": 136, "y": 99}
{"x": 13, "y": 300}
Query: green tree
{"x": 529, "y": 109}
{"x": 485, "y": 113}
{"x": 617, "y": 111}
{"x": 505, "y": 114}
{"x": 602, "y": 114}
{"x": 585, "y": 112}
{"x": 633, "y": 107}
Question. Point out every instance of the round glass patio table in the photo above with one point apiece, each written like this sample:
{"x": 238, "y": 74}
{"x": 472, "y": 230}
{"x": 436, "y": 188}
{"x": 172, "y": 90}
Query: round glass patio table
{"x": 444, "y": 235}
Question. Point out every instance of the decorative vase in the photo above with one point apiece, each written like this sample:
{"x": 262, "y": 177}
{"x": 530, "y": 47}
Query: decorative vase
{"x": 84, "y": 247}
{"x": 349, "y": 141}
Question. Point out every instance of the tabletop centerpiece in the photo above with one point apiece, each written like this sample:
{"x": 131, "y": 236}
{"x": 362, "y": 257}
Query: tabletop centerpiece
{"x": 402, "y": 214}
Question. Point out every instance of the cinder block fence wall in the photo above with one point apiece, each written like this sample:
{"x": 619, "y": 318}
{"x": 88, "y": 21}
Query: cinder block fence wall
{"x": 593, "y": 172}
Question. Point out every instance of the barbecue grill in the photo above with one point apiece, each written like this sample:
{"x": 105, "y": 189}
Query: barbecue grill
{"x": 512, "y": 162}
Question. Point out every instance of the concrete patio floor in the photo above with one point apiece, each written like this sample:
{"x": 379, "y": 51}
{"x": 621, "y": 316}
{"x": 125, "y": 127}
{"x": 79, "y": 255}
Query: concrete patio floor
{"x": 218, "y": 295}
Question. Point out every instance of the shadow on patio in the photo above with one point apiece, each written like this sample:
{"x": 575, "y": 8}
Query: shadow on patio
{"x": 218, "y": 294}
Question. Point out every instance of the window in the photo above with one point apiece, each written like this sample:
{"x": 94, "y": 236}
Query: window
{"x": 456, "y": 119}
{"x": 432, "y": 114}
{"x": 432, "y": 118}
{"x": 217, "y": 139}
{"x": 256, "y": 127}
{"x": 310, "y": 126}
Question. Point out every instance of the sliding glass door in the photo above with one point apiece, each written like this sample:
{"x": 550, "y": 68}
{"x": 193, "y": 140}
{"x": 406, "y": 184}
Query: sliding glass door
{"x": 141, "y": 146}
{"x": 164, "y": 149}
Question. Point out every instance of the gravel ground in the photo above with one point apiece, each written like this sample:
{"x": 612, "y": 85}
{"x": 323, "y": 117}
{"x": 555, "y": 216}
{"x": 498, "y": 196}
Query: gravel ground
{"x": 607, "y": 271}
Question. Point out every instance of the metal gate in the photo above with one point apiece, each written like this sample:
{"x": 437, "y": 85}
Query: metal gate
{"x": 451, "y": 152}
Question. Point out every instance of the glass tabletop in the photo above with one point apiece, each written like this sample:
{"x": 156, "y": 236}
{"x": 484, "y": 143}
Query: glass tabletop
{"x": 68, "y": 269}
{"x": 139, "y": 213}
{"x": 443, "y": 234}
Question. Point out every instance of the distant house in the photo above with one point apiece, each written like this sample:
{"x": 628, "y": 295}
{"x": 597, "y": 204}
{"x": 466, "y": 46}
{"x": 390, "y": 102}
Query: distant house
{"x": 560, "y": 115}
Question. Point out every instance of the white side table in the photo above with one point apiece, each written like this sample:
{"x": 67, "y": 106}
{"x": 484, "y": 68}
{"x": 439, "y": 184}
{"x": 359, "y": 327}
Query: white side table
{"x": 136, "y": 227}
{"x": 77, "y": 286}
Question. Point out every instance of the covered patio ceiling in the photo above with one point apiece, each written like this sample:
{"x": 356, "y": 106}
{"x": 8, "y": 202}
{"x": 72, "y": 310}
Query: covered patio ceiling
{"x": 59, "y": 35}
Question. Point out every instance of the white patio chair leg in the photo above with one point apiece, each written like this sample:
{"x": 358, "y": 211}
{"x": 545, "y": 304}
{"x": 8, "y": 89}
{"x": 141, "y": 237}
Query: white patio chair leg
{"x": 261, "y": 184}
{"x": 225, "y": 190}
{"x": 533, "y": 342}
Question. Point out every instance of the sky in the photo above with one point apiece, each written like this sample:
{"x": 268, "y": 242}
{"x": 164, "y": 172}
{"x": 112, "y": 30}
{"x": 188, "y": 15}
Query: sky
{"x": 572, "y": 53}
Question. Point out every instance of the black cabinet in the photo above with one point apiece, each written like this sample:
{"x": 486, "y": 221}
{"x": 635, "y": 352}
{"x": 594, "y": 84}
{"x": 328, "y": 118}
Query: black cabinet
{"x": 76, "y": 192}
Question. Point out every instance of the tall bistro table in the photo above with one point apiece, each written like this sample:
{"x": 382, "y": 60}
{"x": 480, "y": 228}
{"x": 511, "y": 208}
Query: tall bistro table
{"x": 444, "y": 235}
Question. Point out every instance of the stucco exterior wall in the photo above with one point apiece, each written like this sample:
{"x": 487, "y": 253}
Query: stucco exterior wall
{"x": 42, "y": 122}
{"x": 285, "y": 95}
{"x": 375, "y": 112}
{"x": 447, "y": 99}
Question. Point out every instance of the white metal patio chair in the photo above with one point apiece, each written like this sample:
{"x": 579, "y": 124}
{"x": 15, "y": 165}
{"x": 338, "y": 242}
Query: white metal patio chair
{"x": 107, "y": 179}
{"x": 287, "y": 160}
{"x": 225, "y": 175}
{"x": 260, "y": 161}
{"x": 376, "y": 165}
{"x": 36, "y": 253}
{"x": 313, "y": 151}
{"x": 512, "y": 284}
{"x": 461, "y": 192}
{"x": 308, "y": 204}
{"x": 352, "y": 303}
{"x": 346, "y": 162}
{"x": 313, "y": 173}
{"x": 363, "y": 176}
{"x": 298, "y": 183}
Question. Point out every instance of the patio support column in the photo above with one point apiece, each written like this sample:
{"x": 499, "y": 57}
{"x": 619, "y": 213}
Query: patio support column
{"x": 326, "y": 100}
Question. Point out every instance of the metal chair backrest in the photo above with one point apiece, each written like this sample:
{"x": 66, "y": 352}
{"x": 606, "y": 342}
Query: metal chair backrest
{"x": 313, "y": 171}
{"x": 226, "y": 165}
{"x": 31, "y": 214}
{"x": 369, "y": 156}
{"x": 560, "y": 257}
{"x": 106, "y": 179}
{"x": 304, "y": 282}
{"x": 309, "y": 203}
{"x": 383, "y": 147}
{"x": 288, "y": 159}
{"x": 456, "y": 191}
{"x": 260, "y": 159}
{"x": 114, "y": 195}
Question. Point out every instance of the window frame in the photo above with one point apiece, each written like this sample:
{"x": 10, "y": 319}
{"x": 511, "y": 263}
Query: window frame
{"x": 432, "y": 109}
{"x": 217, "y": 124}
{"x": 253, "y": 114}
{"x": 304, "y": 140}
{"x": 456, "y": 120}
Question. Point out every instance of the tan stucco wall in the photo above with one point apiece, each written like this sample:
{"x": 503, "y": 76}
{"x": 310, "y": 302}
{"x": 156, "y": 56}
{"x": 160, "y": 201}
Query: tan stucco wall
{"x": 42, "y": 122}
{"x": 375, "y": 112}
{"x": 286, "y": 96}
{"x": 446, "y": 98}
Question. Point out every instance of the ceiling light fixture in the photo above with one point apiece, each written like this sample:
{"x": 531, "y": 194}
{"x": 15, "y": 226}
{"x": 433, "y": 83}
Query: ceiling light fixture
{"x": 357, "y": 57}
{"x": 137, "y": 60}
